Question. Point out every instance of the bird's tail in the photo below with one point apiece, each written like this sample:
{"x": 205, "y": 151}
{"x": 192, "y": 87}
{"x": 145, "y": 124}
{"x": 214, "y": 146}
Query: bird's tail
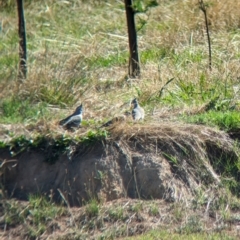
{"x": 62, "y": 122}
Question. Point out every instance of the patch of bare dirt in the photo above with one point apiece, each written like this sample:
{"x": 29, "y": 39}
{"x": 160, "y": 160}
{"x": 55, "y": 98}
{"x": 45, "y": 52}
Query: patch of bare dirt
{"x": 168, "y": 161}
{"x": 172, "y": 162}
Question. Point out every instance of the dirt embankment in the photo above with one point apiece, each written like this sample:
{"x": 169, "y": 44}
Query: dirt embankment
{"x": 167, "y": 161}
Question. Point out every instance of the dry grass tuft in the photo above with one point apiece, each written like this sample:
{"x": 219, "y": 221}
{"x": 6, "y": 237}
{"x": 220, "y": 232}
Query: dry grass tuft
{"x": 173, "y": 130}
{"x": 185, "y": 146}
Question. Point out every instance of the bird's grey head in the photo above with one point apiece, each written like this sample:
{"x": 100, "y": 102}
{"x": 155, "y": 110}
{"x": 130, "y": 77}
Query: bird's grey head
{"x": 135, "y": 102}
{"x": 79, "y": 109}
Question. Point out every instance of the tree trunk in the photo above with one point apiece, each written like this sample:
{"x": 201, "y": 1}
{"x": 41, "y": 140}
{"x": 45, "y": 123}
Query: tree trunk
{"x": 22, "y": 41}
{"x": 134, "y": 66}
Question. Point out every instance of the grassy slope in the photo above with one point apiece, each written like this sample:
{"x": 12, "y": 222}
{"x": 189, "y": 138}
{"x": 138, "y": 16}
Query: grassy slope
{"x": 75, "y": 54}
{"x": 78, "y": 52}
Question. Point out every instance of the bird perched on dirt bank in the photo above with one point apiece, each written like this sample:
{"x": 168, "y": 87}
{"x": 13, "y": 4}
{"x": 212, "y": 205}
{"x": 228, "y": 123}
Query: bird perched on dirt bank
{"x": 74, "y": 120}
{"x": 137, "y": 112}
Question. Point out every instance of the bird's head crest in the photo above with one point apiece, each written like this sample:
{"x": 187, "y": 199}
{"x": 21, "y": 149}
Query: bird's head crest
{"x": 79, "y": 108}
{"x": 134, "y": 101}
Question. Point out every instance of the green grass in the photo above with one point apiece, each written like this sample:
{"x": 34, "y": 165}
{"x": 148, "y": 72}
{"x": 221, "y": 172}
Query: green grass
{"x": 225, "y": 120}
{"x": 116, "y": 214}
{"x": 62, "y": 92}
{"x": 69, "y": 57}
{"x": 164, "y": 234}
{"x": 55, "y": 145}
{"x": 92, "y": 208}
{"x": 35, "y": 215}
{"x": 117, "y": 58}
{"x": 16, "y": 110}
{"x": 153, "y": 54}
{"x": 40, "y": 212}
{"x": 10, "y": 60}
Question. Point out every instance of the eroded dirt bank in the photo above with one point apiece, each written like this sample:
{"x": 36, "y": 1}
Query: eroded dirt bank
{"x": 167, "y": 161}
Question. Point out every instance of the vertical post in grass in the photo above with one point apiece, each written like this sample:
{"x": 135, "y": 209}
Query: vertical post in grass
{"x": 22, "y": 74}
{"x": 134, "y": 66}
{"x": 203, "y": 8}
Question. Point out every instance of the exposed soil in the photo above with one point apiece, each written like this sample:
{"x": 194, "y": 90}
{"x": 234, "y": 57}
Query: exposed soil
{"x": 169, "y": 162}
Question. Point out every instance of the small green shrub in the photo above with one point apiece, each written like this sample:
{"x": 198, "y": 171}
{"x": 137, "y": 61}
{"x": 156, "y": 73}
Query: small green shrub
{"x": 92, "y": 208}
{"x": 116, "y": 213}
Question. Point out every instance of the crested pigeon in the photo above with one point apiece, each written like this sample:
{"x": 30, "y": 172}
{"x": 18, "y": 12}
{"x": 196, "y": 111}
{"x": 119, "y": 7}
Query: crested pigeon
{"x": 137, "y": 112}
{"x": 74, "y": 120}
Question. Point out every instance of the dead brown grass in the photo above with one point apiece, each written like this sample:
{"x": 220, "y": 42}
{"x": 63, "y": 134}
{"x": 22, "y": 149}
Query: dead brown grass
{"x": 186, "y": 145}
{"x": 55, "y": 60}
{"x": 125, "y": 217}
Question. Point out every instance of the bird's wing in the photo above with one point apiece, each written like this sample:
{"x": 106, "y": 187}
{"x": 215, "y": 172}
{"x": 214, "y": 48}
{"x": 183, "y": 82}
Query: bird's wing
{"x": 135, "y": 113}
{"x": 71, "y": 118}
{"x": 138, "y": 113}
{"x": 74, "y": 118}
{"x": 62, "y": 122}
